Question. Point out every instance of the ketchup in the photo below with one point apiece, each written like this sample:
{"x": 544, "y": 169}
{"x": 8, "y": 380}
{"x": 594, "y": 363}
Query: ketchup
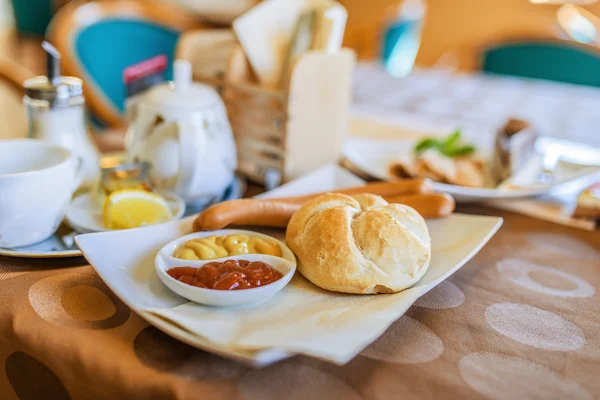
{"x": 227, "y": 275}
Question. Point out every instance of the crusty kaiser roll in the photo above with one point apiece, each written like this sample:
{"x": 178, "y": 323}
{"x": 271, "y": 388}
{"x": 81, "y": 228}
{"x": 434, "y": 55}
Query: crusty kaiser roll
{"x": 359, "y": 244}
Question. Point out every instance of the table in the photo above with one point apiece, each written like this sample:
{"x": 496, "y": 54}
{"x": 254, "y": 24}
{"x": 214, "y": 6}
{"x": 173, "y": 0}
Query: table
{"x": 520, "y": 320}
{"x": 478, "y": 102}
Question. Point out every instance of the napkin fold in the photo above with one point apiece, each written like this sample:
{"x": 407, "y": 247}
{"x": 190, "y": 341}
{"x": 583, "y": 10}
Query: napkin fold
{"x": 558, "y": 205}
{"x": 301, "y": 319}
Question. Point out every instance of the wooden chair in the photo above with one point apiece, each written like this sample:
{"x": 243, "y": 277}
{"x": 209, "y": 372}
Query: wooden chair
{"x": 98, "y": 40}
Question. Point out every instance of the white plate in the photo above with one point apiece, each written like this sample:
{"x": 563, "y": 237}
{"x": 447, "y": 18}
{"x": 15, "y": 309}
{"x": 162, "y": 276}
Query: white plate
{"x": 125, "y": 261}
{"x": 85, "y": 216}
{"x": 59, "y": 245}
{"x": 286, "y": 264}
{"x": 373, "y": 156}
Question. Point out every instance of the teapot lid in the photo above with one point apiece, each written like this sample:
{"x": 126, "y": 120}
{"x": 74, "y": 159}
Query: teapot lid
{"x": 182, "y": 92}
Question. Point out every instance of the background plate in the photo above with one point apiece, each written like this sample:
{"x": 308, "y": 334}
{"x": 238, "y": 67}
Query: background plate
{"x": 373, "y": 156}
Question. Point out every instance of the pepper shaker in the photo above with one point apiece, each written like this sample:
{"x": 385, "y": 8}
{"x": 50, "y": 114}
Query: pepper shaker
{"x": 55, "y": 109}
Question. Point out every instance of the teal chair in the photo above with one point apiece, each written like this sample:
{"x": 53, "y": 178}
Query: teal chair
{"x": 551, "y": 60}
{"x": 98, "y": 40}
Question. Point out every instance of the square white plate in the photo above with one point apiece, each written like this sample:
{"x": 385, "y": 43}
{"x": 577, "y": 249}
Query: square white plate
{"x": 125, "y": 260}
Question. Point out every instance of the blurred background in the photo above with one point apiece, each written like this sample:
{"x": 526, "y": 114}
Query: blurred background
{"x": 555, "y": 40}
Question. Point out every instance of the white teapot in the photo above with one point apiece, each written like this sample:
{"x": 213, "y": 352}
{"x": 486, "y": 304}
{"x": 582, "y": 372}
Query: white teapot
{"x": 182, "y": 129}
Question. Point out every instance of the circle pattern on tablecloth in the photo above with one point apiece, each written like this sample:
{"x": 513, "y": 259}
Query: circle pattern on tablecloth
{"x": 294, "y": 382}
{"x": 534, "y": 327}
{"x": 32, "y": 380}
{"x": 77, "y": 300}
{"x": 87, "y": 303}
{"x": 504, "y": 377}
{"x": 527, "y": 275}
{"x": 407, "y": 341}
{"x": 443, "y": 296}
{"x": 159, "y": 351}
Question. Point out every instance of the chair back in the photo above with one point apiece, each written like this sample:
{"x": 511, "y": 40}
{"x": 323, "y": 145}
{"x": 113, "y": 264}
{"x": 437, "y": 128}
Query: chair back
{"x": 99, "y": 40}
{"x": 551, "y": 60}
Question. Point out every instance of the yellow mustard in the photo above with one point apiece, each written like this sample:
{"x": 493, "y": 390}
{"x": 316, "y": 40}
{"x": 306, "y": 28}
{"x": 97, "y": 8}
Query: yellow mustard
{"x": 212, "y": 247}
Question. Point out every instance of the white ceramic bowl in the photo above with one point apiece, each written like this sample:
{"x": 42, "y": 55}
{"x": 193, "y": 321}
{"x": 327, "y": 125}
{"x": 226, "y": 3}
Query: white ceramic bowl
{"x": 224, "y": 298}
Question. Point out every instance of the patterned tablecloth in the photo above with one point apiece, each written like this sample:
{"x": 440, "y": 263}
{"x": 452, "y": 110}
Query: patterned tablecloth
{"x": 519, "y": 321}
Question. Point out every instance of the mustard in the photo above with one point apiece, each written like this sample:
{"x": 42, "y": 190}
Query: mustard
{"x": 213, "y": 247}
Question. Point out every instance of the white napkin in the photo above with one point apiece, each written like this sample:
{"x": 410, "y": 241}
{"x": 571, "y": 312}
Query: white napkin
{"x": 301, "y": 319}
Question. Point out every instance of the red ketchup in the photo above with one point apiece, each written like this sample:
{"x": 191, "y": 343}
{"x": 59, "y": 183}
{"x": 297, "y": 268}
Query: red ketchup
{"x": 227, "y": 275}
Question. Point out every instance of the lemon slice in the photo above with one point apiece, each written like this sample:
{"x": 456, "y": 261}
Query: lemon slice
{"x": 132, "y": 208}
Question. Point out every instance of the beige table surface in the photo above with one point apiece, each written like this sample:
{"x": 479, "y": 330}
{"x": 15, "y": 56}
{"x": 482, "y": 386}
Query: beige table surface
{"x": 519, "y": 321}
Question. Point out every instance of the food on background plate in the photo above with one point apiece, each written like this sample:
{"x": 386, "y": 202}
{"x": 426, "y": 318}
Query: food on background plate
{"x": 133, "y": 208}
{"x": 588, "y": 203}
{"x": 513, "y": 147}
{"x": 360, "y": 244}
{"x": 277, "y": 212}
{"x": 227, "y": 275}
{"x": 446, "y": 160}
{"x": 212, "y": 247}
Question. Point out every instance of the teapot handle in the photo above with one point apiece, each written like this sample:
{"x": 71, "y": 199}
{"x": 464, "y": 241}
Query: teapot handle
{"x": 78, "y": 177}
{"x": 192, "y": 139}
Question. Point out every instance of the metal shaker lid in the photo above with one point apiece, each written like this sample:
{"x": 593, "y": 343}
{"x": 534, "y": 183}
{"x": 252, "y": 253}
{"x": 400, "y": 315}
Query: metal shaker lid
{"x": 57, "y": 90}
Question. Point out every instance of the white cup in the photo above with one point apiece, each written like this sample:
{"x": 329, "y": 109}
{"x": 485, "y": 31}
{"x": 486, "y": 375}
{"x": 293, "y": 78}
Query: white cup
{"x": 37, "y": 180}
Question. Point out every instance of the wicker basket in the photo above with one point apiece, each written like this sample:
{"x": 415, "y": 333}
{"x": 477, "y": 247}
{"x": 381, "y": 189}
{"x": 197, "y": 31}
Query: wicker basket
{"x": 283, "y": 134}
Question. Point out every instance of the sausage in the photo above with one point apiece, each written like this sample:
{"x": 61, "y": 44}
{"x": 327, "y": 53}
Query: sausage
{"x": 277, "y": 212}
{"x": 396, "y": 188}
{"x": 432, "y": 205}
{"x": 251, "y": 212}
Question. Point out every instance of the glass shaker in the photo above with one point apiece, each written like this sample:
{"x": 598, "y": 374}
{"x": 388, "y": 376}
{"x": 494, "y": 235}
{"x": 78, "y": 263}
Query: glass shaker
{"x": 56, "y": 112}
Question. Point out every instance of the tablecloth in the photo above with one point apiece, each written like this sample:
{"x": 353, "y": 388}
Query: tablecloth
{"x": 444, "y": 99}
{"x": 519, "y": 321}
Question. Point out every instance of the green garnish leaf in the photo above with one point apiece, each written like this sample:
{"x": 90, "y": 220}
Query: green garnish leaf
{"x": 427, "y": 144}
{"x": 452, "y": 140}
{"x": 459, "y": 151}
{"x": 449, "y": 146}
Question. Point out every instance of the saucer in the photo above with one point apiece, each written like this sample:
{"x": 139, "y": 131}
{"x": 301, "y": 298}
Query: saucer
{"x": 61, "y": 244}
{"x": 85, "y": 213}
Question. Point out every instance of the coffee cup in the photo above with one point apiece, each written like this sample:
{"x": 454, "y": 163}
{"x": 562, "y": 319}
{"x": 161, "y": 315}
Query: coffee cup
{"x": 37, "y": 181}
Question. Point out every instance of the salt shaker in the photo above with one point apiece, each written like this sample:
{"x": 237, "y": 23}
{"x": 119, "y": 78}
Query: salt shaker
{"x": 56, "y": 112}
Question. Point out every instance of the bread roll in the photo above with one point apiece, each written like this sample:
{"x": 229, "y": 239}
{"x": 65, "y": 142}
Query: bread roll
{"x": 359, "y": 244}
